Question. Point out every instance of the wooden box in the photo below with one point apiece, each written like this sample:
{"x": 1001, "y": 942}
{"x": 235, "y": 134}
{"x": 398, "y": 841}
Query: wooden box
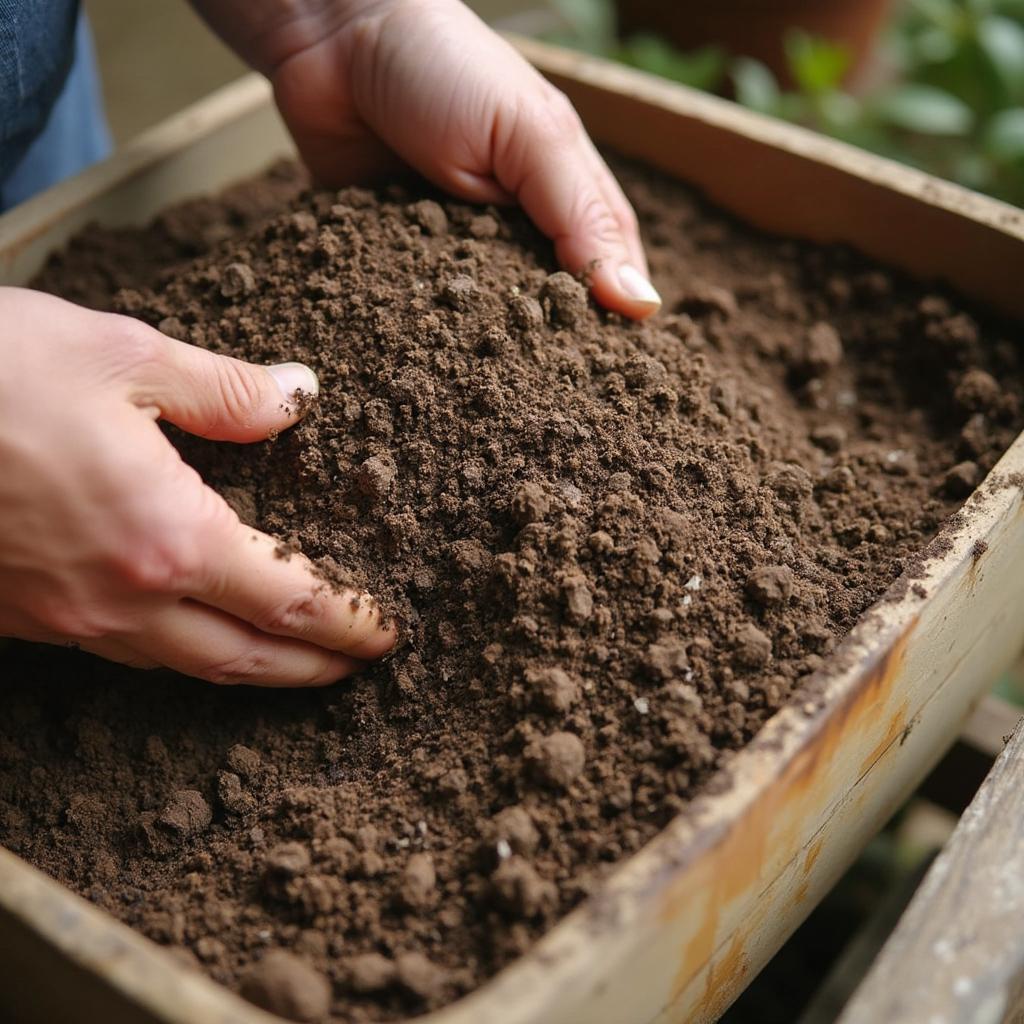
{"x": 682, "y": 926}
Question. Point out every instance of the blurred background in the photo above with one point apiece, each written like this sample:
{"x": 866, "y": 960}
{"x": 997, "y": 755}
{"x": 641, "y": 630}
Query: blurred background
{"x": 934, "y": 83}
{"x": 156, "y": 58}
{"x": 938, "y": 84}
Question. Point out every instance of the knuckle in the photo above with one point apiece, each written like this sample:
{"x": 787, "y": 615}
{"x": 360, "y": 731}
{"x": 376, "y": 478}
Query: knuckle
{"x": 165, "y": 537}
{"x": 241, "y": 666}
{"x": 138, "y": 345}
{"x": 295, "y": 615}
{"x": 550, "y": 120}
{"x": 154, "y": 567}
{"x": 238, "y": 389}
{"x": 323, "y": 671}
{"x": 627, "y": 216}
{"x": 561, "y": 114}
{"x": 597, "y": 219}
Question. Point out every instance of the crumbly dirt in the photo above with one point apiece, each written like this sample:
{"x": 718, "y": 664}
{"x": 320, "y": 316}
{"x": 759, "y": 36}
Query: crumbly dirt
{"x": 614, "y": 551}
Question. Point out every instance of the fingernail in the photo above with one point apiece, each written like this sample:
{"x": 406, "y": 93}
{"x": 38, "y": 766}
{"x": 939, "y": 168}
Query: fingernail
{"x": 294, "y": 377}
{"x": 637, "y": 287}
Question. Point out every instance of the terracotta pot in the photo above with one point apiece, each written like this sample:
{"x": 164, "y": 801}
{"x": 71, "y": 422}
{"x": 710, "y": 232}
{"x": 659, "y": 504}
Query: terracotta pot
{"x": 757, "y": 28}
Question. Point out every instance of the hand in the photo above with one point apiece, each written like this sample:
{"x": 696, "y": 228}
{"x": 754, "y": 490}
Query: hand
{"x": 362, "y": 84}
{"x": 110, "y": 542}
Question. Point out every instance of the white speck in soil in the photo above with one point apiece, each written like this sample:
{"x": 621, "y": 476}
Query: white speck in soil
{"x": 642, "y": 705}
{"x": 504, "y": 850}
{"x": 572, "y": 495}
{"x": 694, "y": 583}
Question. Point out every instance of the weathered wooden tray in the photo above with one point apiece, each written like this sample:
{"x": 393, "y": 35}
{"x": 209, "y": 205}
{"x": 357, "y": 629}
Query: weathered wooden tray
{"x": 681, "y": 927}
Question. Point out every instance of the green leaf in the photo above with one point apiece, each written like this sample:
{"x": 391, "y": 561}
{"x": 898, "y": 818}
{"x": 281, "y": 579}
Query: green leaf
{"x": 701, "y": 69}
{"x": 1002, "y": 41}
{"x": 1004, "y": 135}
{"x": 946, "y": 14}
{"x": 816, "y": 64}
{"x": 590, "y": 24}
{"x": 1011, "y": 8}
{"x": 973, "y": 170}
{"x": 840, "y": 111}
{"x": 755, "y": 85}
{"x": 923, "y": 109}
{"x": 794, "y": 107}
{"x": 934, "y": 45}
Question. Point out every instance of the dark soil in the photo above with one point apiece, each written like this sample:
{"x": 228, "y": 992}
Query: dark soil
{"x": 614, "y": 551}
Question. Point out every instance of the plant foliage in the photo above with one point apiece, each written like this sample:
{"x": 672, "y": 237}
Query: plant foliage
{"x": 953, "y": 103}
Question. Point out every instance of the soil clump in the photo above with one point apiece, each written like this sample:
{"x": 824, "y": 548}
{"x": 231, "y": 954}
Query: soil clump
{"x": 614, "y": 550}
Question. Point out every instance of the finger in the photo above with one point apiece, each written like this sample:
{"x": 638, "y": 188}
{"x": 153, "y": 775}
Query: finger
{"x": 280, "y": 594}
{"x": 336, "y": 163}
{"x": 219, "y": 397}
{"x": 546, "y": 160}
{"x": 209, "y": 644}
{"x": 621, "y": 209}
{"x": 478, "y": 188}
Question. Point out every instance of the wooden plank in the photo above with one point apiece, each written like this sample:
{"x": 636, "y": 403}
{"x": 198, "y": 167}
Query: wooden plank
{"x": 790, "y": 180}
{"x": 182, "y": 157}
{"x": 853, "y": 964}
{"x": 958, "y": 953}
{"x": 957, "y": 777}
{"x": 991, "y": 725}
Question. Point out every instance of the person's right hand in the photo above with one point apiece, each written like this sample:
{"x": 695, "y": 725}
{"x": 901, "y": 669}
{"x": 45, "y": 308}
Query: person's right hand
{"x": 364, "y": 85}
{"x": 110, "y": 542}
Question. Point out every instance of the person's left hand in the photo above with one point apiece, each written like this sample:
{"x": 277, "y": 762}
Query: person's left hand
{"x": 110, "y": 542}
{"x": 363, "y": 84}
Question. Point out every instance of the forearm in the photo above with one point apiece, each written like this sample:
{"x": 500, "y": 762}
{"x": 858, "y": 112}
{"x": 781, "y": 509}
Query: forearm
{"x": 266, "y": 33}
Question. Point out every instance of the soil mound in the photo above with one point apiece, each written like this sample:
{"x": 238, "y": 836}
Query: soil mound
{"x": 614, "y": 551}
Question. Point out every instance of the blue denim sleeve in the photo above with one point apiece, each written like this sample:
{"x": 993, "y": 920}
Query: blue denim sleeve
{"x": 45, "y": 138}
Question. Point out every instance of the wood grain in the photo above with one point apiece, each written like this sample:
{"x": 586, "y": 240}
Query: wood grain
{"x": 957, "y": 955}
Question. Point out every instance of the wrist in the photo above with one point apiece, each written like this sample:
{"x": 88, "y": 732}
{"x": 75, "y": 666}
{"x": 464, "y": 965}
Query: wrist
{"x": 268, "y": 34}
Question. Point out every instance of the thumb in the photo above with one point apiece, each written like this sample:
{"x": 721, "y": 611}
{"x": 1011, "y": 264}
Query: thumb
{"x": 553, "y": 169}
{"x": 222, "y": 398}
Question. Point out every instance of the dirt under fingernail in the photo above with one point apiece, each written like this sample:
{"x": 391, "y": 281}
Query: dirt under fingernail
{"x": 615, "y": 549}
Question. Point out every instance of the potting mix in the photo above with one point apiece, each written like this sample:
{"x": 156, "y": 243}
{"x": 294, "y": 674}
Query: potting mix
{"x": 613, "y": 551}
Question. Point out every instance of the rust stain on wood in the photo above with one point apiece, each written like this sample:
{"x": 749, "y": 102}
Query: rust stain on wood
{"x": 728, "y": 971}
{"x": 733, "y": 865}
{"x": 896, "y": 729}
{"x": 813, "y": 852}
{"x": 810, "y": 858}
